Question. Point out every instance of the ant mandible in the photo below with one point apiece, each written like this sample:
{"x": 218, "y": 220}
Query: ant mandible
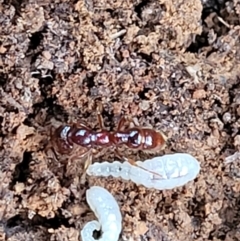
{"x": 65, "y": 137}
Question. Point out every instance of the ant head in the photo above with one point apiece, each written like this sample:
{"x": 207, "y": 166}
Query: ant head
{"x": 60, "y": 141}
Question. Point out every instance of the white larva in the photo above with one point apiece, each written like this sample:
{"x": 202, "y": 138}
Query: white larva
{"x": 108, "y": 213}
{"x": 174, "y": 169}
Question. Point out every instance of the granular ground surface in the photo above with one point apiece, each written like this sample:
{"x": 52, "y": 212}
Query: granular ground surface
{"x": 173, "y": 65}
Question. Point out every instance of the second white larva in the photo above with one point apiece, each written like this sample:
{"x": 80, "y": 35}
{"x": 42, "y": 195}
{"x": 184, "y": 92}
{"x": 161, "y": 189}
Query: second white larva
{"x": 174, "y": 170}
{"x": 108, "y": 213}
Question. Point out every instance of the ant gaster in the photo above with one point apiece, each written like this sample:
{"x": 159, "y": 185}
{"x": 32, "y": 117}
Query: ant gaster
{"x": 65, "y": 137}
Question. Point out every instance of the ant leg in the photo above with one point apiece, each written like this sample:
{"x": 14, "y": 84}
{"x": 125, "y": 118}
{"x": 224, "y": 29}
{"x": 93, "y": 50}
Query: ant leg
{"x": 125, "y": 122}
{"x": 80, "y": 124}
{"x": 50, "y": 146}
{"x": 99, "y": 115}
{"x": 82, "y": 155}
{"x": 133, "y": 163}
{"x": 88, "y": 155}
{"x": 87, "y": 163}
{"x": 133, "y": 121}
{"x": 121, "y": 124}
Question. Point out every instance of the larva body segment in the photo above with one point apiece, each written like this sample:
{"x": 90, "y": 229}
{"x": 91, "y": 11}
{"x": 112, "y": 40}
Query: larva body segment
{"x": 108, "y": 213}
{"x": 175, "y": 170}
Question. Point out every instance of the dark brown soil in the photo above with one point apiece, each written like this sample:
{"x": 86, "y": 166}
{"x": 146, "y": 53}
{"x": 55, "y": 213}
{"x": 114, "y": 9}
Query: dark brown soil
{"x": 171, "y": 64}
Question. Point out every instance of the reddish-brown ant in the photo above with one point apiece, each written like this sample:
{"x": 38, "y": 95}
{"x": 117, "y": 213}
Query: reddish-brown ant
{"x": 65, "y": 137}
